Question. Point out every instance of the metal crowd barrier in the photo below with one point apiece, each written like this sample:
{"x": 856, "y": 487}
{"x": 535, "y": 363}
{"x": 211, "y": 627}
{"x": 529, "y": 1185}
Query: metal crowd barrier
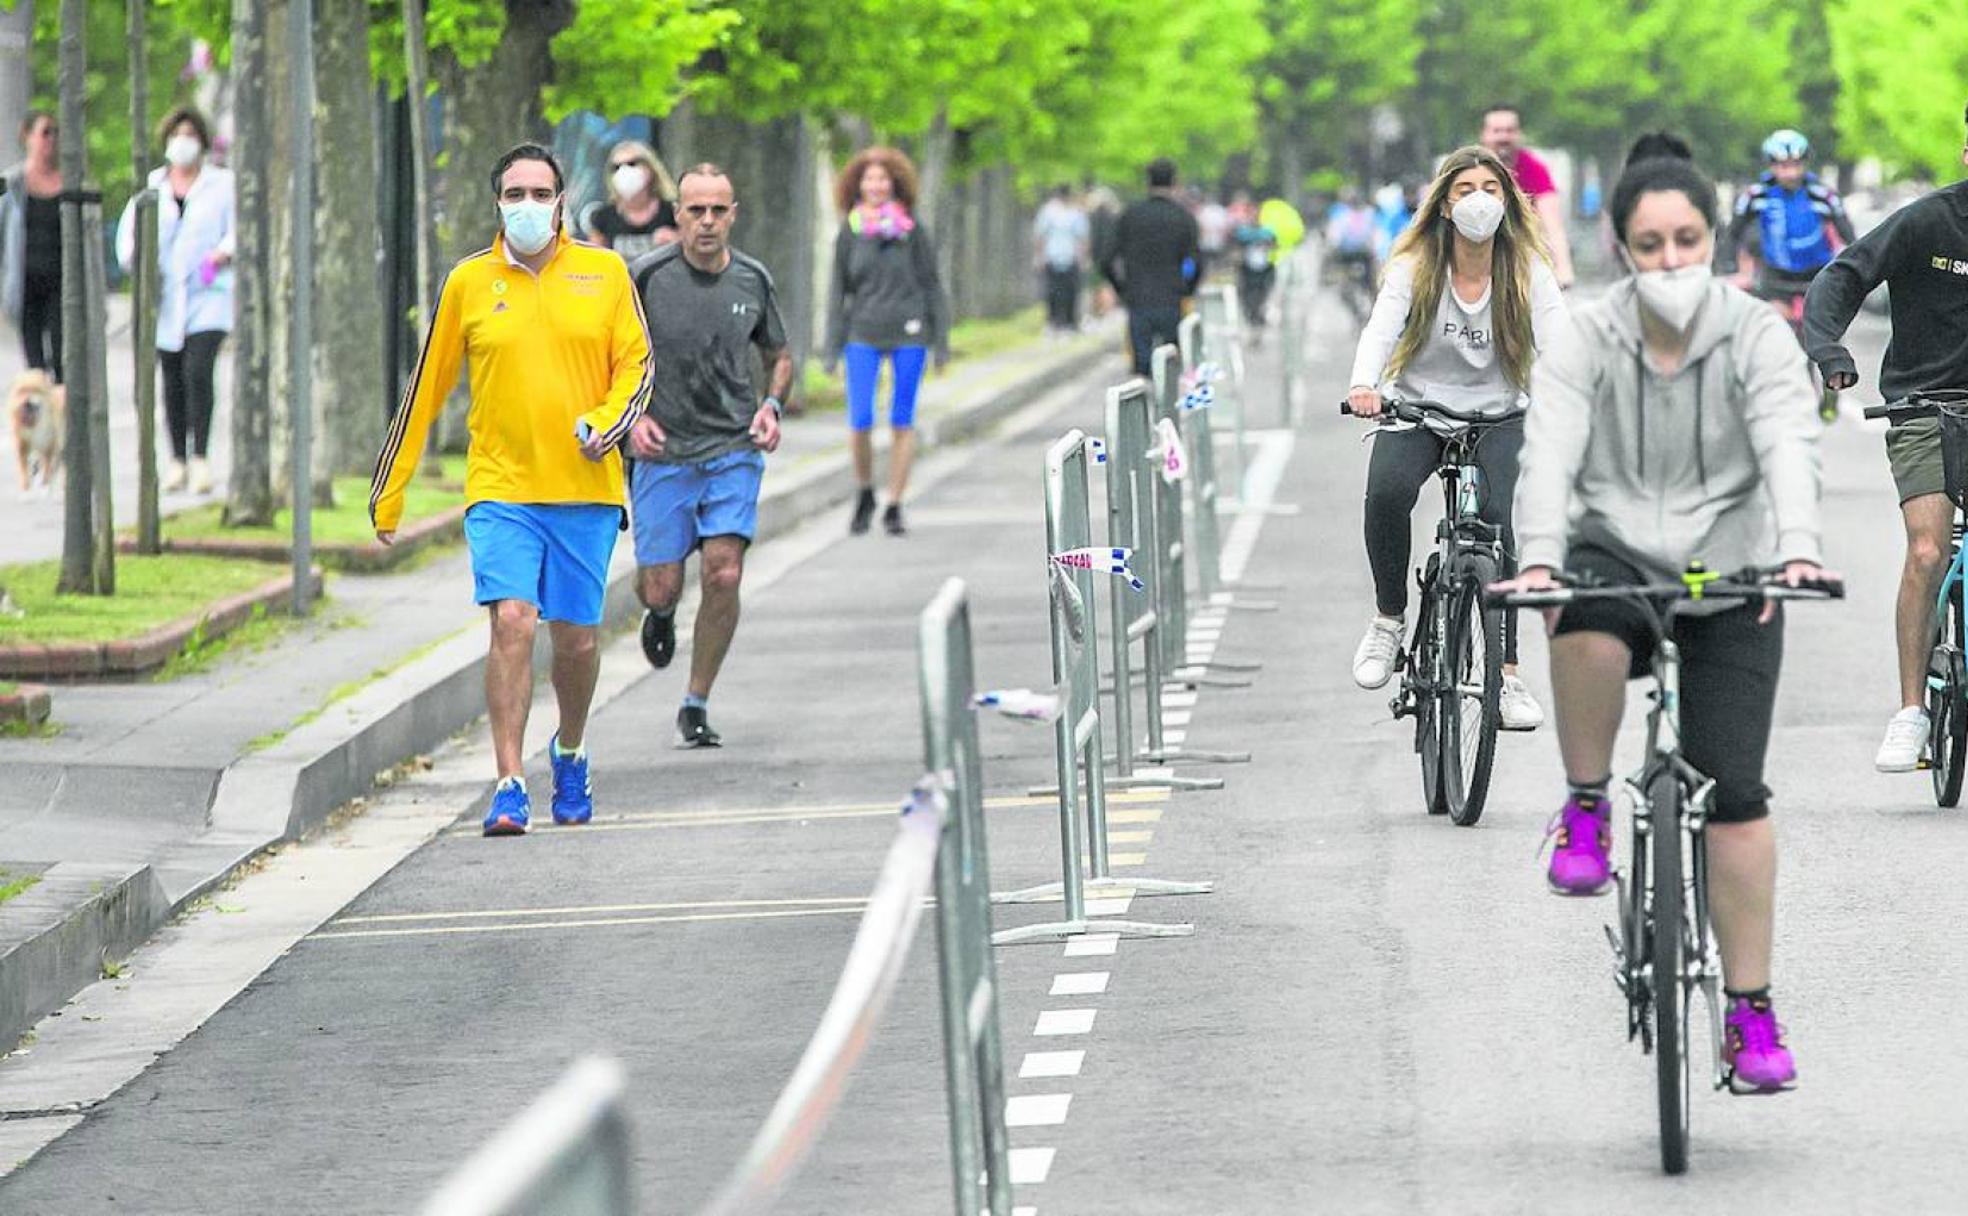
{"x": 1291, "y": 338}
{"x": 1203, "y": 489}
{"x": 565, "y": 1155}
{"x": 1223, "y": 345}
{"x": 1134, "y": 484}
{"x": 1081, "y": 764}
{"x": 568, "y": 1154}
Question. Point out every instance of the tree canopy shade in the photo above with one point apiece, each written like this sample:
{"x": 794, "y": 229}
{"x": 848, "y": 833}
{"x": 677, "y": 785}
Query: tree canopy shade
{"x": 1903, "y": 67}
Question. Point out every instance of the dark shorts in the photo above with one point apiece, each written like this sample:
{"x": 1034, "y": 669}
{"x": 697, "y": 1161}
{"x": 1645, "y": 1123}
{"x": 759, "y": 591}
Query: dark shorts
{"x": 1913, "y": 449}
{"x": 1729, "y": 667}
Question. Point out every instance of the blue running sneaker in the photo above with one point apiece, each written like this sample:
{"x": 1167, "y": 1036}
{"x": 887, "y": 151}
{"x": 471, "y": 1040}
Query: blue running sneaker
{"x": 573, "y": 796}
{"x": 508, "y": 814}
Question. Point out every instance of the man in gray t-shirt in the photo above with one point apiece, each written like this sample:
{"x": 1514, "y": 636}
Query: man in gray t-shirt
{"x": 699, "y": 453}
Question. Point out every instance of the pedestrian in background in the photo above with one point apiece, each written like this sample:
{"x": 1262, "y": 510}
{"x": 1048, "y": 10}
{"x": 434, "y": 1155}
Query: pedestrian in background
{"x": 195, "y": 304}
{"x": 887, "y": 304}
{"x": 30, "y": 245}
{"x": 559, "y": 359}
{"x": 1503, "y": 135}
{"x": 1103, "y": 209}
{"x": 1153, "y": 264}
{"x": 1061, "y": 240}
{"x": 640, "y": 213}
{"x": 700, "y": 450}
{"x": 1213, "y": 230}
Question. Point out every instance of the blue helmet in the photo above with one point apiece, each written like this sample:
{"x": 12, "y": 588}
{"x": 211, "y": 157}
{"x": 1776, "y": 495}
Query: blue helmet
{"x": 1786, "y": 145}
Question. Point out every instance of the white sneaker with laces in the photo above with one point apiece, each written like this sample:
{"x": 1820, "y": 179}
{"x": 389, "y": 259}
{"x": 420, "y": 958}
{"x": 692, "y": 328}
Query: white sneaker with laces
{"x": 1905, "y": 742}
{"x": 1517, "y": 709}
{"x": 1373, "y": 662}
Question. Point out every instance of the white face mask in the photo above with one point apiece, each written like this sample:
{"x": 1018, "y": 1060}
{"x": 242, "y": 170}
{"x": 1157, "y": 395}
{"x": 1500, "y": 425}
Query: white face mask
{"x": 183, "y": 151}
{"x": 1674, "y": 295}
{"x": 1478, "y": 215}
{"x": 629, "y": 180}
{"x": 529, "y": 225}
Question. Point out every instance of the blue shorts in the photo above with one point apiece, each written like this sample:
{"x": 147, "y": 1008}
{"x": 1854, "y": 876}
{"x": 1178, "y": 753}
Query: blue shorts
{"x": 553, "y": 556}
{"x": 864, "y": 370}
{"x": 677, "y": 505}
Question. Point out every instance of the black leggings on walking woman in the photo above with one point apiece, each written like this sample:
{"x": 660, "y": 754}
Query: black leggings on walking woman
{"x": 1403, "y": 461}
{"x": 188, "y": 392}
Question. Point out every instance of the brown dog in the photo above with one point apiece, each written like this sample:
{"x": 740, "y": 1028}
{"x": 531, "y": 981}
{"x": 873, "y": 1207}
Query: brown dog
{"x": 37, "y": 407}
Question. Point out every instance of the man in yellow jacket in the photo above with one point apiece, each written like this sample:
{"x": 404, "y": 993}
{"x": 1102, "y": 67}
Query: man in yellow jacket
{"x": 560, "y": 370}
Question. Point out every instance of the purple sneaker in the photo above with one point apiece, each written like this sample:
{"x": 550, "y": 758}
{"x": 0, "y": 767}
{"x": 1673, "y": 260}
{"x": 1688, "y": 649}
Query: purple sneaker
{"x": 1581, "y": 859}
{"x": 1753, "y": 1050}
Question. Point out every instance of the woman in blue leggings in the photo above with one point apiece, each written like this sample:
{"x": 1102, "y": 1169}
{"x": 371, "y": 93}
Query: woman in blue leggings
{"x": 888, "y": 303}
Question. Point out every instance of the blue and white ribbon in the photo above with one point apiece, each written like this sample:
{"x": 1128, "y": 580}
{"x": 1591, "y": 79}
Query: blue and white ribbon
{"x": 1024, "y": 704}
{"x": 1198, "y": 386}
{"x": 1067, "y": 597}
{"x": 1101, "y": 561}
{"x": 1096, "y": 449}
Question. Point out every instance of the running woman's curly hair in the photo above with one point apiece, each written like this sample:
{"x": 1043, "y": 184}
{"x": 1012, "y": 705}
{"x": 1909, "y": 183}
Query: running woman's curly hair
{"x": 901, "y": 171}
{"x": 1430, "y": 242}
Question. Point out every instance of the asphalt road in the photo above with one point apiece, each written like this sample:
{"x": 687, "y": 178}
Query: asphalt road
{"x": 1379, "y": 1012}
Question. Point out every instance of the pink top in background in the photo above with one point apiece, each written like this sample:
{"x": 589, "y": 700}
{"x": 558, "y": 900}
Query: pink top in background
{"x": 1532, "y": 176}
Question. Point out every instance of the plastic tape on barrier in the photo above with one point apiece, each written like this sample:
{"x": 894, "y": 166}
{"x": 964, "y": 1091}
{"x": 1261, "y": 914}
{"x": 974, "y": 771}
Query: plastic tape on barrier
{"x": 1024, "y": 704}
{"x": 1096, "y": 449}
{"x": 1070, "y": 603}
{"x": 1169, "y": 454}
{"x": 1101, "y": 561}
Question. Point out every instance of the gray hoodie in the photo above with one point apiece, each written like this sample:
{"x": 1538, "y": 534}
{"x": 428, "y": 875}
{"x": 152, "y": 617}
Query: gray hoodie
{"x": 1716, "y": 463}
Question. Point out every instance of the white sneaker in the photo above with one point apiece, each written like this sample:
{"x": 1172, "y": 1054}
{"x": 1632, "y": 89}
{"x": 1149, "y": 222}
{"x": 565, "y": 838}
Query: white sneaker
{"x": 1905, "y": 743}
{"x": 201, "y": 476}
{"x": 1517, "y": 709}
{"x": 1373, "y": 662}
{"x": 174, "y": 476}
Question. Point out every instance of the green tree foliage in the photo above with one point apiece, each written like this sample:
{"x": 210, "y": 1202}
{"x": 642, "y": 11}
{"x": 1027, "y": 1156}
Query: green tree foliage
{"x": 628, "y": 56}
{"x": 1904, "y": 74}
{"x": 1330, "y": 66}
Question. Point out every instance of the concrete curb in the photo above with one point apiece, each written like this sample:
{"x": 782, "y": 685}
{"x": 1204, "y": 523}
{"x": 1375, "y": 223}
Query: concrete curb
{"x": 57, "y": 935}
{"x": 372, "y": 557}
{"x": 292, "y": 787}
{"x": 28, "y": 703}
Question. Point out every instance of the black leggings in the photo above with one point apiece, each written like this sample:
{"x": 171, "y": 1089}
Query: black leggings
{"x": 1729, "y": 667}
{"x": 1063, "y": 298}
{"x": 188, "y": 392}
{"x": 41, "y": 323}
{"x": 1402, "y": 463}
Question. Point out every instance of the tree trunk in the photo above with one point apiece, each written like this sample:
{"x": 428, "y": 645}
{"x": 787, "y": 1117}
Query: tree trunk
{"x": 280, "y": 239}
{"x": 487, "y": 109}
{"x": 250, "y": 493}
{"x": 143, "y": 288}
{"x": 78, "y": 567}
{"x": 348, "y": 305}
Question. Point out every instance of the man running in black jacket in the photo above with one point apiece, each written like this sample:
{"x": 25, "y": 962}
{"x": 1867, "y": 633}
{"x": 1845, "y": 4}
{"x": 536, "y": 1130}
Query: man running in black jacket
{"x": 1921, "y": 253}
{"x": 1154, "y": 263}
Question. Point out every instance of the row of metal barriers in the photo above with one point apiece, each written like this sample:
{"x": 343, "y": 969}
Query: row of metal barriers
{"x": 1161, "y": 557}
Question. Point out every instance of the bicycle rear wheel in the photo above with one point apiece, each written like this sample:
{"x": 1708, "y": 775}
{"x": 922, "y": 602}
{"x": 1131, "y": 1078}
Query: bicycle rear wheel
{"x": 1947, "y": 684}
{"x": 1473, "y": 684}
{"x": 1422, "y": 674}
{"x": 1667, "y": 954}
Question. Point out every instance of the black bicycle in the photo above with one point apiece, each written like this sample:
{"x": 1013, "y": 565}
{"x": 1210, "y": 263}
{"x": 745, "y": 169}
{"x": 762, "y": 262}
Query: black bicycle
{"x": 1663, "y": 950}
{"x": 1947, "y": 678}
{"x": 1452, "y": 666}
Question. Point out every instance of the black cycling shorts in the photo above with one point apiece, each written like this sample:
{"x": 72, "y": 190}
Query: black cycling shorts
{"x": 1729, "y": 667}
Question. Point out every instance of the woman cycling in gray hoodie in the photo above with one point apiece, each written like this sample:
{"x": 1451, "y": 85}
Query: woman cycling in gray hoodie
{"x": 1673, "y": 423}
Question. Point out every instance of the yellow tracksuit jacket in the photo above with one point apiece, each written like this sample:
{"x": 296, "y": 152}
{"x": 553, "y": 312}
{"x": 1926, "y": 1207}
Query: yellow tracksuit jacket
{"x": 545, "y": 352}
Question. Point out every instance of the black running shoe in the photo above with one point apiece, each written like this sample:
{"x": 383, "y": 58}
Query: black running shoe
{"x": 864, "y": 512}
{"x": 892, "y": 520}
{"x": 659, "y": 638}
{"x": 694, "y": 727}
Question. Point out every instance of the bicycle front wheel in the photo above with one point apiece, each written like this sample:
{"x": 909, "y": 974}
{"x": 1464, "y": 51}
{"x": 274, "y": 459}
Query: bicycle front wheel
{"x": 1667, "y": 954}
{"x": 1473, "y": 685}
{"x": 1948, "y": 723}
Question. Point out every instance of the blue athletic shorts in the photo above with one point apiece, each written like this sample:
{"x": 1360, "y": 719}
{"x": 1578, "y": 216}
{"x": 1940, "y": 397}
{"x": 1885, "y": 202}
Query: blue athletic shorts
{"x": 553, "y": 556}
{"x": 676, "y": 506}
{"x": 864, "y": 370}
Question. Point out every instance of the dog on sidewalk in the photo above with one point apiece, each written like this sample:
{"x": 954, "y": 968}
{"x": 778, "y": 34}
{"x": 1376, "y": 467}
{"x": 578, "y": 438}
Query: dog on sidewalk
{"x": 37, "y": 408}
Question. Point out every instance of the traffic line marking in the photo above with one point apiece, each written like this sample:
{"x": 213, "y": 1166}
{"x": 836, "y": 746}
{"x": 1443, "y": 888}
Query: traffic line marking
{"x": 1109, "y": 907}
{"x": 1092, "y": 944}
{"x": 733, "y": 816}
{"x": 1079, "y": 983}
{"x": 1055, "y": 1022}
{"x": 1030, "y": 1166}
{"x": 1178, "y": 700}
{"x": 1037, "y": 1110}
{"x": 1051, "y": 1064}
{"x": 1144, "y": 815}
{"x": 1178, "y": 717}
{"x": 596, "y": 923}
{"x": 1130, "y": 837}
{"x": 601, "y": 909}
{"x": 1127, "y": 859}
{"x": 1174, "y": 736}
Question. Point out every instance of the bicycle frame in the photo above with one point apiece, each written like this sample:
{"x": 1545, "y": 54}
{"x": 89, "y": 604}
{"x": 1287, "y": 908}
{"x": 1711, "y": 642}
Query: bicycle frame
{"x": 1460, "y": 530}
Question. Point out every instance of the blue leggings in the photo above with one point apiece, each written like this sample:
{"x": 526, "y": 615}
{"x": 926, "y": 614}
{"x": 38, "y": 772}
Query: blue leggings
{"x": 864, "y": 370}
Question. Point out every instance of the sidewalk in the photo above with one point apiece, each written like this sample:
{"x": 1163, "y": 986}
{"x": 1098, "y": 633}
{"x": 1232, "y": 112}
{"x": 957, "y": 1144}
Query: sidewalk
{"x": 162, "y": 789}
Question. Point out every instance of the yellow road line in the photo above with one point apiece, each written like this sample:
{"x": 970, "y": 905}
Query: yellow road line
{"x": 440, "y": 930}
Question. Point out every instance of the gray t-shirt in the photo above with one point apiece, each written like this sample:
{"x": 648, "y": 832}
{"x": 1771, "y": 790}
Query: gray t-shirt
{"x": 702, "y": 328}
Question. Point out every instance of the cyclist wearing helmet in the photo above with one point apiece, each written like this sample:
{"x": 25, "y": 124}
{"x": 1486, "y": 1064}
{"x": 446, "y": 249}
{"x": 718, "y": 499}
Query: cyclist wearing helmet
{"x": 1800, "y": 222}
{"x": 1921, "y": 253}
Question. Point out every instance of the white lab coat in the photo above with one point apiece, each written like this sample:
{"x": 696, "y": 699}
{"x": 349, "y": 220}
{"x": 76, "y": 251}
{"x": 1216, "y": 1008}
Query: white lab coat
{"x": 187, "y": 305}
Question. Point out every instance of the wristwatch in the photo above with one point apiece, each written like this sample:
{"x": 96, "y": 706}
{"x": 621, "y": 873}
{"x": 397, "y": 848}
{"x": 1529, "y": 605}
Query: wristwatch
{"x": 778, "y": 407}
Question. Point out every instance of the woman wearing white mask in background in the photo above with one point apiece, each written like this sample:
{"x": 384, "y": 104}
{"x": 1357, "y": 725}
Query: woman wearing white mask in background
{"x": 194, "y": 260}
{"x": 1467, "y": 302}
{"x": 1673, "y": 424}
{"x": 640, "y": 213}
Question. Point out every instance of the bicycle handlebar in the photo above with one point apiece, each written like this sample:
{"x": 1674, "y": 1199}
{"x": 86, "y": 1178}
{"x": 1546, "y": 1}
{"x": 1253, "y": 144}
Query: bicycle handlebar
{"x": 1418, "y": 410}
{"x": 1919, "y": 405}
{"x": 1755, "y": 583}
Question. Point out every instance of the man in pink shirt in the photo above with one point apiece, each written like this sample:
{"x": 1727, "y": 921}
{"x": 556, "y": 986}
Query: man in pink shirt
{"x": 1503, "y": 134}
